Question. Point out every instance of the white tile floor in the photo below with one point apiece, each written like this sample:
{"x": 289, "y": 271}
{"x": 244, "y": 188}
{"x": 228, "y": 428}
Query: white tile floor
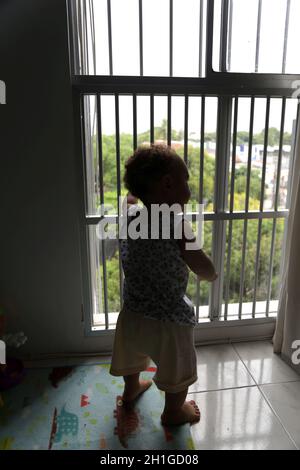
{"x": 248, "y": 397}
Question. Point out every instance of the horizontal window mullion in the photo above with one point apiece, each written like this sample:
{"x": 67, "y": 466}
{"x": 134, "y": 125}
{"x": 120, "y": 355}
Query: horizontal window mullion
{"x": 220, "y": 84}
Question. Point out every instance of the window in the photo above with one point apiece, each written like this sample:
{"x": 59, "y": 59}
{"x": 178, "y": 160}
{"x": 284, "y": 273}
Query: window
{"x": 186, "y": 73}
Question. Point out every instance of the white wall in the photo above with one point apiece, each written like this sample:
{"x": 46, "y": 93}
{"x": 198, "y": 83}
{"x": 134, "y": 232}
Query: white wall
{"x": 39, "y": 254}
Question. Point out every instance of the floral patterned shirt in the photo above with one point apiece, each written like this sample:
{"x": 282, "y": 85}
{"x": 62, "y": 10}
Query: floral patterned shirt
{"x": 156, "y": 277}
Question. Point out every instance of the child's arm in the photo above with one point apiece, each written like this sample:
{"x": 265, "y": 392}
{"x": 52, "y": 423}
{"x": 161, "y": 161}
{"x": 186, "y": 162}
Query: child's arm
{"x": 195, "y": 258}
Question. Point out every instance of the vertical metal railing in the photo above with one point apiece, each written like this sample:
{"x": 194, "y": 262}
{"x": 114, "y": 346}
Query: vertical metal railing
{"x": 220, "y": 201}
{"x": 141, "y": 37}
{"x": 171, "y": 38}
{"x": 242, "y": 278}
{"x": 231, "y": 204}
{"x": 118, "y": 166}
{"x": 286, "y": 34}
{"x": 109, "y": 32}
{"x": 101, "y": 187}
{"x": 261, "y": 204}
{"x": 282, "y": 123}
{"x": 258, "y": 28}
{"x": 186, "y": 129}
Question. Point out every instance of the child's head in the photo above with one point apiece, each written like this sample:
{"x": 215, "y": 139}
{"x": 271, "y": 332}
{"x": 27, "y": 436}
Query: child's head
{"x": 156, "y": 174}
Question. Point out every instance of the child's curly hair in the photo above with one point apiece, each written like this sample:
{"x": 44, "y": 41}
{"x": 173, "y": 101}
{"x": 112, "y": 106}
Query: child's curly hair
{"x": 147, "y": 166}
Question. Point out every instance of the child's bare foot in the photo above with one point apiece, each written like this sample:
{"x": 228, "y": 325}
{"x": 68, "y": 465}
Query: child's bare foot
{"x": 188, "y": 413}
{"x": 131, "y": 395}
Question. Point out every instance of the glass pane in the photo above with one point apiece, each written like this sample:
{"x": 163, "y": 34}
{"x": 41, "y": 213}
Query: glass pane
{"x": 125, "y": 37}
{"x": 126, "y": 134}
{"x": 91, "y": 155}
{"x": 143, "y": 120}
{"x": 194, "y": 126}
{"x": 203, "y": 288}
{"x": 109, "y": 152}
{"x": 235, "y": 268}
{"x": 101, "y": 37}
{"x": 156, "y": 37}
{"x": 216, "y": 37}
{"x": 210, "y": 133}
{"x": 160, "y": 119}
{"x": 186, "y": 38}
{"x": 272, "y": 36}
{"x": 293, "y": 56}
{"x": 243, "y": 39}
{"x": 254, "y": 35}
{"x": 112, "y": 293}
{"x": 177, "y": 124}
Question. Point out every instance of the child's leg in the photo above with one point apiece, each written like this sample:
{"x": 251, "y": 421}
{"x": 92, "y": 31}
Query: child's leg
{"x": 179, "y": 411}
{"x": 134, "y": 387}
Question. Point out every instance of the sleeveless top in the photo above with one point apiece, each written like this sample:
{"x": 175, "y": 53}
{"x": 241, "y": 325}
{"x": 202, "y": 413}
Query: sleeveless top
{"x": 156, "y": 276}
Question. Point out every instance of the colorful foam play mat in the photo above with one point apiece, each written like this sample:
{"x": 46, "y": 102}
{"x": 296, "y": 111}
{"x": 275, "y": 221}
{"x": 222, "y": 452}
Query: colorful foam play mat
{"x": 81, "y": 408}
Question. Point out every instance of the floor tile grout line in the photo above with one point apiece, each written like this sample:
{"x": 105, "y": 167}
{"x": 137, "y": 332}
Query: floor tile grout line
{"x": 222, "y": 389}
{"x": 267, "y": 402}
{"x": 278, "y": 417}
{"x": 278, "y": 383}
{"x": 276, "y": 414}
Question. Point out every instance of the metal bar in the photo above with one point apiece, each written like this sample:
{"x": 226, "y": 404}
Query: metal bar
{"x": 171, "y": 37}
{"x": 230, "y": 84}
{"x": 283, "y": 109}
{"x": 86, "y": 44}
{"x": 228, "y": 270}
{"x": 223, "y": 36}
{"x": 134, "y": 122}
{"x": 261, "y": 204}
{"x": 110, "y": 52}
{"x": 202, "y": 138}
{"x": 151, "y": 119}
{"x": 249, "y": 154}
{"x": 257, "y": 50}
{"x": 201, "y": 171}
{"x": 85, "y": 267}
{"x": 186, "y": 128}
{"x": 220, "y": 197}
{"x": 79, "y": 30}
{"x": 117, "y": 119}
{"x": 93, "y": 38}
{"x": 229, "y": 35}
{"x": 209, "y": 38}
{"x": 100, "y": 164}
{"x": 100, "y": 160}
{"x": 222, "y": 215}
{"x": 266, "y": 138}
{"x": 286, "y": 34}
{"x": 242, "y": 277}
{"x": 256, "y": 267}
{"x": 234, "y": 139}
{"x": 200, "y": 38}
{"x": 271, "y": 268}
{"x": 169, "y": 129}
{"x": 141, "y": 37}
{"x": 72, "y": 37}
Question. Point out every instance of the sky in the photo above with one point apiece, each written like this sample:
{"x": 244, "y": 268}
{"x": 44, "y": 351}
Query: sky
{"x": 125, "y": 45}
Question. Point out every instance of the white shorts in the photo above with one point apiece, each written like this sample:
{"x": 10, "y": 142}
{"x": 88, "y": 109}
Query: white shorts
{"x": 169, "y": 345}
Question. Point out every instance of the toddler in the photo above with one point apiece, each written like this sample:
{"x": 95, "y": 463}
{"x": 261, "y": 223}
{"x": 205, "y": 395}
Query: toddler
{"x": 157, "y": 319}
